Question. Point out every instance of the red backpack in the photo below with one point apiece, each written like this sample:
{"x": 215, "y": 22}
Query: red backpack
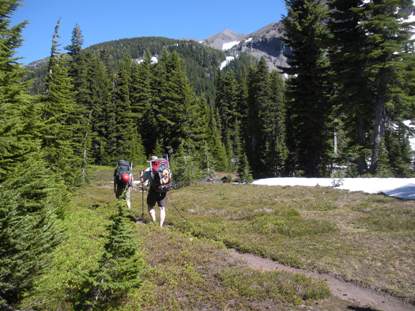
{"x": 123, "y": 173}
{"x": 161, "y": 177}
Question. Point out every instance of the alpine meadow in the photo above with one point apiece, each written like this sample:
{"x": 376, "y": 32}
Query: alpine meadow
{"x": 152, "y": 173}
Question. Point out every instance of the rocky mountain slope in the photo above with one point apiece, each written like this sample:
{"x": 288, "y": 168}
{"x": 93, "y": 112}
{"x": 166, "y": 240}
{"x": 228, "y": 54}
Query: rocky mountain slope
{"x": 266, "y": 42}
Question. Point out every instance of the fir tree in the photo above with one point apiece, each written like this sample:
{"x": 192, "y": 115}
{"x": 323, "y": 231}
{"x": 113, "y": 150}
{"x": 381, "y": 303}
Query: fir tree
{"x": 30, "y": 200}
{"x": 227, "y": 97}
{"x": 279, "y": 152}
{"x": 387, "y": 40}
{"x": 216, "y": 147}
{"x": 399, "y": 151}
{"x": 172, "y": 111}
{"x": 102, "y": 120}
{"x": 127, "y": 143}
{"x": 348, "y": 55}
{"x": 261, "y": 120}
{"x": 16, "y": 144}
{"x": 61, "y": 134}
{"x": 78, "y": 71}
{"x": 141, "y": 101}
{"x": 185, "y": 165}
{"x": 307, "y": 89}
{"x": 369, "y": 55}
{"x": 119, "y": 269}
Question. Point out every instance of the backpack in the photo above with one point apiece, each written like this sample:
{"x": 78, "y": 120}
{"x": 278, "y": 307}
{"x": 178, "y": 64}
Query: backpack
{"x": 161, "y": 177}
{"x": 123, "y": 173}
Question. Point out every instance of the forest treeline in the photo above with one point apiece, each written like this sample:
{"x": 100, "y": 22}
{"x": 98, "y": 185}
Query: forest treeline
{"x": 341, "y": 106}
{"x": 338, "y": 111}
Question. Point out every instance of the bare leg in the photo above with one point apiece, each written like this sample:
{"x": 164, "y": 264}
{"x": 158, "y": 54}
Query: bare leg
{"x": 128, "y": 197}
{"x": 152, "y": 213}
{"x": 162, "y": 215}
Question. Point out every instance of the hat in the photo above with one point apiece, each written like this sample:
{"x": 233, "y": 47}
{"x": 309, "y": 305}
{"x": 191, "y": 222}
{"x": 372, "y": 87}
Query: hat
{"x": 153, "y": 158}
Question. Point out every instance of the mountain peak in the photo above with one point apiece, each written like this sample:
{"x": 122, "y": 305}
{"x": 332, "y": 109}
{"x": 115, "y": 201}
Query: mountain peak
{"x": 220, "y": 39}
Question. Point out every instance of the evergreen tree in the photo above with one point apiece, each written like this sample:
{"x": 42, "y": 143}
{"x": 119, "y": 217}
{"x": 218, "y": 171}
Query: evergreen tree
{"x": 244, "y": 171}
{"x": 172, "y": 111}
{"x": 348, "y": 55}
{"x": 216, "y": 147}
{"x": 185, "y": 165}
{"x": 279, "y": 152}
{"x": 16, "y": 144}
{"x": 127, "y": 143}
{"x": 261, "y": 120}
{"x": 102, "y": 119}
{"x": 176, "y": 107}
{"x": 398, "y": 151}
{"x": 370, "y": 56}
{"x": 227, "y": 97}
{"x": 30, "y": 201}
{"x": 31, "y": 196}
{"x": 61, "y": 134}
{"x": 243, "y": 108}
{"x": 141, "y": 101}
{"x": 119, "y": 269}
{"x": 307, "y": 90}
{"x": 387, "y": 41}
{"x": 78, "y": 71}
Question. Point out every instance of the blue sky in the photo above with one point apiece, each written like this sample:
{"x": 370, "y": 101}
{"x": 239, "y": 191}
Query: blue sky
{"x": 103, "y": 20}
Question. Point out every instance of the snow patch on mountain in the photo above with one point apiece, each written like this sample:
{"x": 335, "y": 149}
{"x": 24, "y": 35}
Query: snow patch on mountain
{"x": 226, "y": 62}
{"x": 228, "y": 45}
{"x": 411, "y": 125}
{"x": 154, "y": 60}
{"x": 403, "y": 188}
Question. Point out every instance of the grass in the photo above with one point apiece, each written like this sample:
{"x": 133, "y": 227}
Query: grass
{"x": 366, "y": 238}
{"x": 185, "y": 272}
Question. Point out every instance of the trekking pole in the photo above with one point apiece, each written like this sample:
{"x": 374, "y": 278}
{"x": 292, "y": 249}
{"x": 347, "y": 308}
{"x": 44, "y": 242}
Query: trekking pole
{"x": 142, "y": 201}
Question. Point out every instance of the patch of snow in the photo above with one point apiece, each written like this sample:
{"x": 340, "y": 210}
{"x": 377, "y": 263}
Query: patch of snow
{"x": 403, "y": 188}
{"x": 201, "y": 41}
{"x": 154, "y": 60}
{"x": 226, "y": 62}
{"x": 248, "y": 40}
{"x": 411, "y": 19}
{"x": 138, "y": 60}
{"x": 411, "y": 125}
{"x": 228, "y": 45}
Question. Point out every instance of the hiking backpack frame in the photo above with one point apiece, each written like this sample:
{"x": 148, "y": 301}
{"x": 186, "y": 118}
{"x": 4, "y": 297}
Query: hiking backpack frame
{"x": 161, "y": 175}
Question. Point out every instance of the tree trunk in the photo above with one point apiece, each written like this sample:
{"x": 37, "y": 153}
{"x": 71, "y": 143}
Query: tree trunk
{"x": 379, "y": 132}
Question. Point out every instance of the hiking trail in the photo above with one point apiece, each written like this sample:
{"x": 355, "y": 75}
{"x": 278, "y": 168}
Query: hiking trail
{"x": 363, "y": 297}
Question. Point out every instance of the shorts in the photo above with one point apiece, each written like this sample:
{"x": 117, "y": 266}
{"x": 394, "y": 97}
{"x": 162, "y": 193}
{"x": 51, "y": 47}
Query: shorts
{"x": 119, "y": 191}
{"x": 154, "y": 197}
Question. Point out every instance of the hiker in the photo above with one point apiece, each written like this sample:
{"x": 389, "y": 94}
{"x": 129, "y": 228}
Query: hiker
{"x": 123, "y": 181}
{"x": 158, "y": 176}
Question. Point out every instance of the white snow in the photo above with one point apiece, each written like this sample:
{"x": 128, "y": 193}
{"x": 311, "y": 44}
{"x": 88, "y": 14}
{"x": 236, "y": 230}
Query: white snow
{"x": 226, "y": 62}
{"x": 228, "y": 45}
{"x": 411, "y": 19}
{"x": 403, "y": 188}
{"x": 248, "y": 40}
{"x": 411, "y": 137}
{"x": 154, "y": 60}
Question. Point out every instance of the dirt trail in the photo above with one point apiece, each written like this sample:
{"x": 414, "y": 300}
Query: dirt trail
{"x": 355, "y": 294}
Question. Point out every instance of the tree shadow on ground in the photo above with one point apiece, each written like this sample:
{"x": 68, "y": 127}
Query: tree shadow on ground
{"x": 355, "y": 308}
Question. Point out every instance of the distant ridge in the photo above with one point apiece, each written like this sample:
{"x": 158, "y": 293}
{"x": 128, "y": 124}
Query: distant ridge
{"x": 218, "y": 40}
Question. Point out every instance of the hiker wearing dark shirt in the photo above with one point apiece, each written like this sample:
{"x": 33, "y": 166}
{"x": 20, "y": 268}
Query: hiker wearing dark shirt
{"x": 123, "y": 181}
{"x": 154, "y": 196}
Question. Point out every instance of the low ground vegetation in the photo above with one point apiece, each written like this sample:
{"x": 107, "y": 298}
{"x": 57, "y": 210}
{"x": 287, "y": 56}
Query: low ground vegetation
{"x": 188, "y": 266}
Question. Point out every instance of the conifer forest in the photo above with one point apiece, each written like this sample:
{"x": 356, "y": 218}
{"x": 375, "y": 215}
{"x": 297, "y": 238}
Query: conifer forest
{"x": 337, "y": 109}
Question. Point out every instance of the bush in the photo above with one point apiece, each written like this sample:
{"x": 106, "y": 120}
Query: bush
{"x": 119, "y": 269}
